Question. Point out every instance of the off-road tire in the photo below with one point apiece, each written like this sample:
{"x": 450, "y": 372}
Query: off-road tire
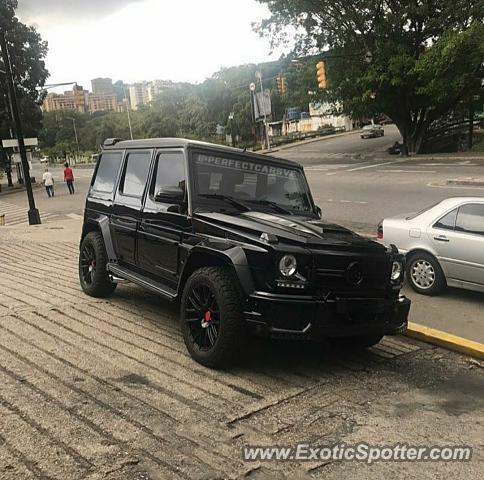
{"x": 99, "y": 284}
{"x": 359, "y": 342}
{"x": 227, "y": 293}
{"x": 440, "y": 282}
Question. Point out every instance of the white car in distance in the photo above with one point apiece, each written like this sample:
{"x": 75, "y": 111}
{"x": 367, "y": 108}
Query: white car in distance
{"x": 443, "y": 244}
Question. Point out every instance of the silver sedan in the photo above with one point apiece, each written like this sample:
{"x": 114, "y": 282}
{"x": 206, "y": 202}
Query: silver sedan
{"x": 443, "y": 244}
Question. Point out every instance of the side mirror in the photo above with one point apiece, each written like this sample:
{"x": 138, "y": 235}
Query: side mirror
{"x": 319, "y": 211}
{"x": 170, "y": 194}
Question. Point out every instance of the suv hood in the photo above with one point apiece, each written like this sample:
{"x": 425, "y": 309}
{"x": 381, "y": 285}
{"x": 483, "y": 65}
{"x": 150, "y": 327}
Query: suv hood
{"x": 296, "y": 230}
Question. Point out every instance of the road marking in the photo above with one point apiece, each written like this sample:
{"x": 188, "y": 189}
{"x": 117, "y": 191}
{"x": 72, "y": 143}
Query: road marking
{"x": 330, "y": 200}
{"x": 17, "y": 215}
{"x": 372, "y": 166}
{"x": 466, "y": 163}
{"x": 406, "y": 171}
{"x": 332, "y": 173}
{"x": 75, "y": 216}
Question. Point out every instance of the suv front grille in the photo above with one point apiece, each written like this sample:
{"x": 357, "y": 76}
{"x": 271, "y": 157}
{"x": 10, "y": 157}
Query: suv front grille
{"x": 350, "y": 273}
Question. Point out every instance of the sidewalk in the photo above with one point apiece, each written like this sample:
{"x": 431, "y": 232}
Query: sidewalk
{"x": 6, "y": 190}
{"x": 298, "y": 143}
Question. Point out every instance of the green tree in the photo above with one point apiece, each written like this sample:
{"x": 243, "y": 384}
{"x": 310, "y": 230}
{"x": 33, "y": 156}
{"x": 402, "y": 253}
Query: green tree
{"x": 425, "y": 55}
{"x": 27, "y": 53}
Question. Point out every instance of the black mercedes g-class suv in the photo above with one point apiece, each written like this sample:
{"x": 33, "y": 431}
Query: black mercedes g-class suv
{"x": 236, "y": 238}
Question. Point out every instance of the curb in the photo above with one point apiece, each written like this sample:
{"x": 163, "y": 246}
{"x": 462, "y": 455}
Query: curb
{"x": 470, "y": 182}
{"x": 445, "y": 340}
{"x": 444, "y": 158}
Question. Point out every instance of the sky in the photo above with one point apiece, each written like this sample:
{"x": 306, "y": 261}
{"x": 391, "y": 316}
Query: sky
{"x": 133, "y": 40}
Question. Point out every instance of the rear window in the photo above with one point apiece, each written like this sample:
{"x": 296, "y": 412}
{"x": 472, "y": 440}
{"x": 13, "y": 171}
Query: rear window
{"x": 107, "y": 172}
{"x": 415, "y": 215}
{"x": 447, "y": 222}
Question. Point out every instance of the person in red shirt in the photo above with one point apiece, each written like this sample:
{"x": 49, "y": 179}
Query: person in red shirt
{"x": 69, "y": 178}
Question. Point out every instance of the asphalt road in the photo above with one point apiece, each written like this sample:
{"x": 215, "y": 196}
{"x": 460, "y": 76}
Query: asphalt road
{"x": 357, "y": 184}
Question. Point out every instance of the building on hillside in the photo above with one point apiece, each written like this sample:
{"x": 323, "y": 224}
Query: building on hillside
{"x": 138, "y": 95}
{"x": 102, "y": 86}
{"x": 326, "y": 114}
{"x": 76, "y": 99}
{"x": 320, "y": 115}
{"x": 103, "y": 103}
{"x": 156, "y": 87}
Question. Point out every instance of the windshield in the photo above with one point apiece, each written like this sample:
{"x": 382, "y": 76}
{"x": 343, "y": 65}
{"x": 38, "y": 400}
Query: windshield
{"x": 260, "y": 186}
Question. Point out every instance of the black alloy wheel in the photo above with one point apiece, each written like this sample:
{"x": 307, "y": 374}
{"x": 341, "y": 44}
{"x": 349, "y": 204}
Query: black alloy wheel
{"x": 211, "y": 316}
{"x": 93, "y": 274}
{"x": 202, "y": 317}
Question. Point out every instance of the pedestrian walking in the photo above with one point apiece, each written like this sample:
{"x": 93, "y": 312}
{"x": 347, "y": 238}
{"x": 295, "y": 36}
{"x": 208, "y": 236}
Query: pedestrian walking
{"x": 69, "y": 178}
{"x": 48, "y": 180}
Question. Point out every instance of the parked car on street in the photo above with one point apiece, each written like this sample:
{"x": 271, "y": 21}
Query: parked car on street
{"x": 372, "y": 131}
{"x": 443, "y": 244}
{"x": 237, "y": 240}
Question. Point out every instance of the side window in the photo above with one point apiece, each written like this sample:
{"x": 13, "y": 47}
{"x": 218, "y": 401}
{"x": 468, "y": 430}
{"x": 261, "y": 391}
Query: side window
{"x": 470, "y": 219}
{"x": 170, "y": 172}
{"x": 135, "y": 174}
{"x": 107, "y": 172}
{"x": 447, "y": 222}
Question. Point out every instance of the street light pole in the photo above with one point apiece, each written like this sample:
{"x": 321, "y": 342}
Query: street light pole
{"x": 34, "y": 215}
{"x": 127, "y": 110}
{"x": 75, "y": 133}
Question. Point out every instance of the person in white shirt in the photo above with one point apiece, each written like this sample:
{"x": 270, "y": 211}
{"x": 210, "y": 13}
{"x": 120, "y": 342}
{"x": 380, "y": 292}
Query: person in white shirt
{"x": 48, "y": 180}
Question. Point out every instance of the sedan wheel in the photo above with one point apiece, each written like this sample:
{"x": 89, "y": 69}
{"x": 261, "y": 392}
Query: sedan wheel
{"x": 425, "y": 274}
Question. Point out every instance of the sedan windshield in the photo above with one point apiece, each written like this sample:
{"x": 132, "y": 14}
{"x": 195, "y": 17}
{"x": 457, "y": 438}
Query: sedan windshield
{"x": 261, "y": 186}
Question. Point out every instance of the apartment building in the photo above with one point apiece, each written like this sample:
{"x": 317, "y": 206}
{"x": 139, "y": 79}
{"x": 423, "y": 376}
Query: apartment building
{"x": 76, "y": 99}
{"x": 103, "y": 103}
{"x": 102, "y": 86}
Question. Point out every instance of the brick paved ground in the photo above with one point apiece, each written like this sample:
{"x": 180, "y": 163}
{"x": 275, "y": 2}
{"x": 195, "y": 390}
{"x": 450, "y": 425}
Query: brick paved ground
{"x": 94, "y": 389}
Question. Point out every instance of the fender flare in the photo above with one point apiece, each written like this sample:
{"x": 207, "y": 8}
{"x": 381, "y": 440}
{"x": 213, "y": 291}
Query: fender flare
{"x": 234, "y": 257}
{"x": 102, "y": 224}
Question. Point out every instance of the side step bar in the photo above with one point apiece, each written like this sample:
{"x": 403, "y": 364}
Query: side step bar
{"x": 142, "y": 281}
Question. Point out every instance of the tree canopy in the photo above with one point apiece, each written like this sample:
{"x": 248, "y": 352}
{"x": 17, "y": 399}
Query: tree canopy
{"x": 425, "y": 54}
{"x": 186, "y": 110}
{"x": 27, "y": 53}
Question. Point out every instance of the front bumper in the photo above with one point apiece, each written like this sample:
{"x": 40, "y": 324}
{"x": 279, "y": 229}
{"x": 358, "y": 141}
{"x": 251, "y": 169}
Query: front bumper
{"x": 306, "y": 316}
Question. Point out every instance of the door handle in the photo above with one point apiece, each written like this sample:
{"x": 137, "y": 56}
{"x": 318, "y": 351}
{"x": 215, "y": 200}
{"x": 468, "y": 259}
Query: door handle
{"x": 442, "y": 238}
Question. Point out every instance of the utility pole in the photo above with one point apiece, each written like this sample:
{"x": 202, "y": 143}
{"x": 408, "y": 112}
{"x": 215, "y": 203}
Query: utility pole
{"x": 252, "y": 88}
{"x": 75, "y": 133}
{"x": 34, "y": 215}
{"x": 259, "y": 75}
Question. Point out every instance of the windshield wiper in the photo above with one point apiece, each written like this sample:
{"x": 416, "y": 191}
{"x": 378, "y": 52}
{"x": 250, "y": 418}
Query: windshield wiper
{"x": 273, "y": 205}
{"x": 218, "y": 196}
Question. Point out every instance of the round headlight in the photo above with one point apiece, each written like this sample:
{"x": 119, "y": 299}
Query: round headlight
{"x": 397, "y": 270}
{"x": 288, "y": 265}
